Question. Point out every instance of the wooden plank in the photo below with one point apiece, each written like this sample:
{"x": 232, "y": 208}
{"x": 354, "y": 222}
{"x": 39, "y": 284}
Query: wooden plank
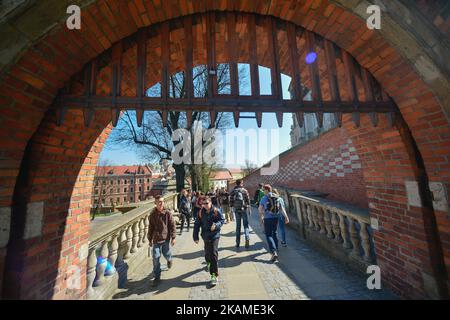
{"x": 294, "y": 60}
{"x": 279, "y": 116}
{"x": 330, "y": 57}
{"x": 313, "y": 69}
{"x": 349, "y": 67}
{"x": 253, "y": 56}
{"x": 367, "y": 80}
{"x": 300, "y": 118}
{"x": 141, "y": 70}
{"x": 212, "y": 117}
{"x": 258, "y": 117}
{"x": 189, "y": 119}
{"x": 189, "y": 57}
{"x": 115, "y": 114}
{"x": 271, "y": 27}
{"x": 139, "y": 116}
{"x": 165, "y": 59}
{"x": 211, "y": 54}
{"x": 164, "y": 116}
{"x": 232, "y": 49}
{"x": 236, "y": 118}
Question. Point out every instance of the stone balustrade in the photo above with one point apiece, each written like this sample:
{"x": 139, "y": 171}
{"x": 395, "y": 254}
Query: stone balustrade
{"x": 342, "y": 230}
{"x": 113, "y": 246}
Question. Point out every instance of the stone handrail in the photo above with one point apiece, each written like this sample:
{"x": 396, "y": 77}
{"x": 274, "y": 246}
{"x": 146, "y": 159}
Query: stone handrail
{"x": 117, "y": 241}
{"x": 339, "y": 223}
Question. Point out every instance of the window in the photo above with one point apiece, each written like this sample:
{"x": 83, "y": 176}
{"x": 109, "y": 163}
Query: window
{"x": 124, "y": 181}
{"x": 112, "y": 182}
{"x": 124, "y": 189}
{"x": 148, "y": 188}
{"x": 124, "y": 199}
{"x": 131, "y": 198}
{"x": 118, "y": 181}
{"x": 104, "y": 191}
{"x": 118, "y": 200}
{"x": 118, "y": 190}
{"x": 132, "y": 181}
{"x": 140, "y": 180}
{"x": 148, "y": 180}
{"x": 103, "y": 201}
{"x": 140, "y": 188}
{"x": 131, "y": 189}
{"x": 96, "y": 191}
{"x": 104, "y": 181}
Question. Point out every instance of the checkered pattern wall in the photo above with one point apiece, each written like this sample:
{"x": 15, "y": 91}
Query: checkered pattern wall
{"x": 334, "y": 161}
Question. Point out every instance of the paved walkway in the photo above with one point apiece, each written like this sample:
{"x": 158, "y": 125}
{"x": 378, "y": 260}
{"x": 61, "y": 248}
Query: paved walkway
{"x": 301, "y": 274}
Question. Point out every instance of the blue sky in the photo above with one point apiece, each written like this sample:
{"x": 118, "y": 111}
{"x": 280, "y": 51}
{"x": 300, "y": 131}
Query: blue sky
{"x": 125, "y": 157}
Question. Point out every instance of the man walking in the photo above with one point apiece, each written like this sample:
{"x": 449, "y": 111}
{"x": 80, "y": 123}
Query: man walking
{"x": 224, "y": 202}
{"x": 185, "y": 209}
{"x": 239, "y": 201}
{"x": 210, "y": 221}
{"x": 259, "y": 194}
{"x": 269, "y": 209}
{"x": 161, "y": 235}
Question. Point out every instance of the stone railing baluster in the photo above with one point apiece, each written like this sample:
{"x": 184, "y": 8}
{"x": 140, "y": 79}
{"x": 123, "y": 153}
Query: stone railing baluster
{"x": 114, "y": 246}
{"x": 310, "y": 217}
{"x": 355, "y": 238}
{"x": 344, "y": 232}
{"x": 129, "y": 242}
{"x": 146, "y": 224}
{"x": 328, "y": 226}
{"x": 141, "y": 233}
{"x": 315, "y": 218}
{"x": 365, "y": 241}
{"x": 135, "y": 230}
{"x": 101, "y": 264}
{"x": 122, "y": 246}
{"x": 91, "y": 266}
{"x": 321, "y": 219}
{"x": 335, "y": 224}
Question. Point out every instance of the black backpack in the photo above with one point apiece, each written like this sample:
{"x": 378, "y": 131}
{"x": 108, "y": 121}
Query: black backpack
{"x": 273, "y": 205}
{"x": 238, "y": 200}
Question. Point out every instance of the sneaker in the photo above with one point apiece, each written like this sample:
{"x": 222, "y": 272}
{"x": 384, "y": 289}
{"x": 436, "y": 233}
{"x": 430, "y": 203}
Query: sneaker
{"x": 237, "y": 245}
{"x": 274, "y": 257}
{"x": 169, "y": 264}
{"x": 284, "y": 244}
{"x": 156, "y": 282}
{"x": 213, "y": 281}
{"x": 247, "y": 243}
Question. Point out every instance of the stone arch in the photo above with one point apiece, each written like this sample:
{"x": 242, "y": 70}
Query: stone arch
{"x": 29, "y": 85}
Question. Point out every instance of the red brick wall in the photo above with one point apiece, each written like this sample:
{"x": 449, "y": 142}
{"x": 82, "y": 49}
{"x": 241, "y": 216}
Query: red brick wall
{"x": 328, "y": 163}
{"x": 28, "y": 88}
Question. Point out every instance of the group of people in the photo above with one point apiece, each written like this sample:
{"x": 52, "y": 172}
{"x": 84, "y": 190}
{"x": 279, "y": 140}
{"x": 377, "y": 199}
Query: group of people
{"x": 210, "y": 212}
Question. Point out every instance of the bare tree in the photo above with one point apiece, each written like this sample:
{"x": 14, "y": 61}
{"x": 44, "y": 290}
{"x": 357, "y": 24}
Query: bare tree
{"x": 154, "y": 142}
{"x": 102, "y": 190}
{"x": 249, "y": 167}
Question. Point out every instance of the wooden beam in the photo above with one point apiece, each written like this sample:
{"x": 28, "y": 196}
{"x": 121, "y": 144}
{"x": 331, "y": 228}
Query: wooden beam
{"x": 212, "y": 117}
{"x": 258, "y": 117}
{"x": 189, "y": 119}
{"x": 164, "y": 114}
{"x": 165, "y": 59}
{"x": 236, "y": 118}
{"x": 254, "y": 72}
{"x": 294, "y": 60}
{"x": 189, "y": 57}
{"x": 141, "y": 70}
{"x": 369, "y": 93}
{"x": 314, "y": 75}
{"x": 300, "y": 118}
{"x": 117, "y": 51}
{"x": 349, "y": 67}
{"x": 330, "y": 57}
{"x": 88, "y": 115}
{"x": 232, "y": 49}
{"x": 115, "y": 114}
{"x": 271, "y": 27}
{"x": 279, "y": 116}
{"x": 211, "y": 54}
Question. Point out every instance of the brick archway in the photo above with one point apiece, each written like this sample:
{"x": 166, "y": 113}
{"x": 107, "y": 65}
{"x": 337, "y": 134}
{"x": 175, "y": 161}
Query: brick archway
{"x": 30, "y": 85}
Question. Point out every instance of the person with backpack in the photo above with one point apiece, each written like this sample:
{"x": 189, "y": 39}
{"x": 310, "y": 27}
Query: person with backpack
{"x": 161, "y": 235}
{"x": 209, "y": 220}
{"x": 213, "y": 195}
{"x": 185, "y": 209}
{"x": 259, "y": 194}
{"x": 283, "y": 218}
{"x": 269, "y": 210}
{"x": 224, "y": 202}
{"x": 240, "y": 201}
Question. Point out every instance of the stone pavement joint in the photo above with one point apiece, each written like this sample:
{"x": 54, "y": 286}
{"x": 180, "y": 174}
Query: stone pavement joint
{"x": 247, "y": 274}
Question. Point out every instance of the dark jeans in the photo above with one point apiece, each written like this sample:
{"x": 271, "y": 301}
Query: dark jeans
{"x": 270, "y": 228}
{"x": 244, "y": 216}
{"x": 282, "y": 223}
{"x": 212, "y": 255}
{"x": 157, "y": 250}
{"x": 185, "y": 217}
